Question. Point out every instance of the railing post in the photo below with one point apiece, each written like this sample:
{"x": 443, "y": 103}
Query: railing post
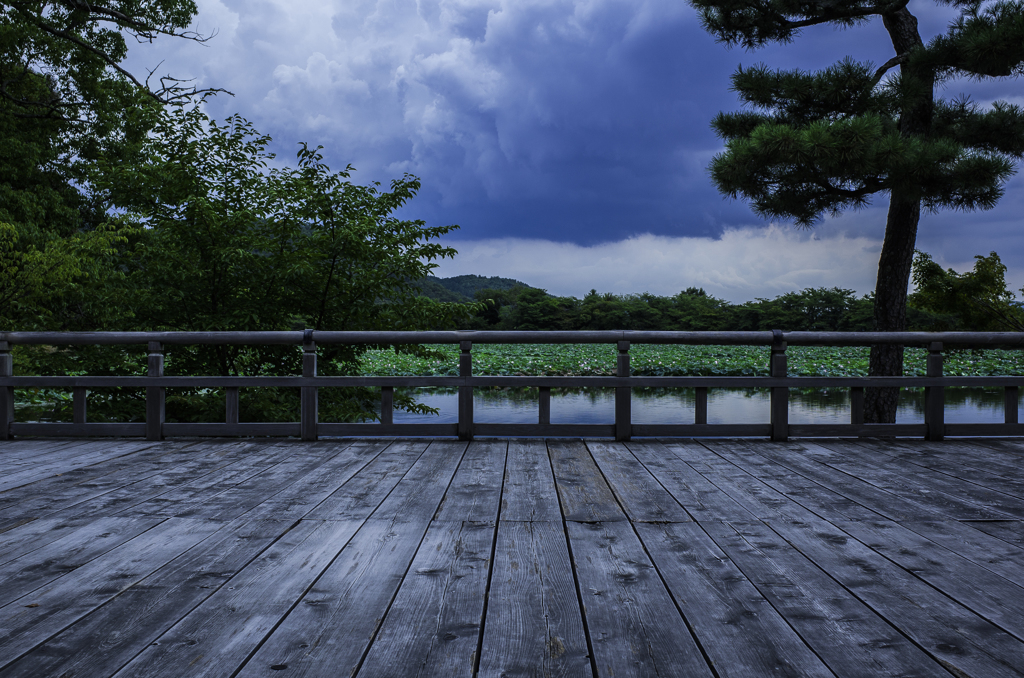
{"x": 700, "y": 406}
{"x": 231, "y": 405}
{"x": 156, "y": 396}
{"x": 466, "y": 392}
{"x": 387, "y": 405}
{"x": 309, "y": 414}
{"x": 78, "y": 404}
{"x": 623, "y": 396}
{"x": 544, "y": 405}
{"x": 857, "y": 405}
{"x": 6, "y": 392}
{"x": 780, "y": 395}
{"x": 1011, "y": 398}
{"x": 934, "y": 396}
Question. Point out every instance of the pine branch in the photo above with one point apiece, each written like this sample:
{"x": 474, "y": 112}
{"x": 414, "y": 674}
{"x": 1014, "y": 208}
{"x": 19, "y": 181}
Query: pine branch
{"x": 899, "y": 59}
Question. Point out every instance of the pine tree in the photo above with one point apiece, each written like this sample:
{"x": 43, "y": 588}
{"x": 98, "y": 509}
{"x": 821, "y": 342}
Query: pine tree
{"x": 821, "y": 142}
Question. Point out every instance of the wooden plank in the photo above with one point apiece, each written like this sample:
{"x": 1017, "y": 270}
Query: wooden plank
{"x": 1010, "y": 531}
{"x": 700, "y": 497}
{"x": 891, "y": 505}
{"x": 329, "y": 631}
{"x": 308, "y": 491}
{"x": 960, "y": 457}
{"x": 953, "y": 634}
{"x": 1009, "y": 481}
{"x": 48, "y": 610}
{"x": 36, "y": 534}
{"x": 276, "y": 473}
{"x": 183, "y": 498}
{"x": 475, "y": 492}
{"x": 992, "y": 553}
{"x": 806, "y": 492}
{"x": 108, "y": 638}
{"x": 224, "y": 429}
{"x": 737, "y": 627}
{"x": 217, "y": 636}
{"x": 852, "y": 639}
{"x": 17, "y": 453}
{"x": 38, "y": 568}
{"x": 529, "y": 489}
{"x": 987, "y": 594}
{"x": 640, "y": 494}
{"x": 373, "y": 429}
{"x": 124, "y": 488}
{"x": 633, "y": 624}
{"x": 695, "y": 430}
{"x": 50, "y": 429}
{"x": 360, "y": 496}
{"x": 583, "y": 491}
{"x": 434, "y": 623}
{"x": 757, "y": 498}
{"x": 944, "y": 495}
{"x": 550, "y": 430}
{"x": 99, "y": 490}
{"x": 534, "y": 625}
{"x": 823, "y": 430}
{"x": 69, "y": 458}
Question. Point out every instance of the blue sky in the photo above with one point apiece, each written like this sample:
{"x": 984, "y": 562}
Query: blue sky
{"x": 569, "y": 140}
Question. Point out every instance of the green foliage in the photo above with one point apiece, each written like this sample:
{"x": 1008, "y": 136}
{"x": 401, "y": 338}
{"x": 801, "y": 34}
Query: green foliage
{"x": 33, "y": 281}
{"x": 218, "y": 240}
{"x": 469, "y": 285}
{"x": 977, "y": 300}
{"x": 823, "y": 309}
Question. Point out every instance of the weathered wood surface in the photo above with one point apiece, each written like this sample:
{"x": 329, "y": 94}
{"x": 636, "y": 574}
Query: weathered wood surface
{"x": 511, "y": 558}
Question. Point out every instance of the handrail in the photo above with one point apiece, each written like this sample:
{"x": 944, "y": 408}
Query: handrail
{"x": 296, "y": 338}
{"x": 309, "y": 427}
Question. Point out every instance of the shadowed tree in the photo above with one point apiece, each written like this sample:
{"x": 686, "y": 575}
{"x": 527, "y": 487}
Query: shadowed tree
{"x": 67, "y": 97}
{"x": 822, "y": 142}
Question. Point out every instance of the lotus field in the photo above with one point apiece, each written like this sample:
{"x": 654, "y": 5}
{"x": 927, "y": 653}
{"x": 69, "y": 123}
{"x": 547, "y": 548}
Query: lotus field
{"x": 659, "y": 360}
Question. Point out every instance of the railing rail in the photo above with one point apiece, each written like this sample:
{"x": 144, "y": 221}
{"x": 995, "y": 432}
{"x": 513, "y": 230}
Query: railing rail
{"x": 309, "y": 427}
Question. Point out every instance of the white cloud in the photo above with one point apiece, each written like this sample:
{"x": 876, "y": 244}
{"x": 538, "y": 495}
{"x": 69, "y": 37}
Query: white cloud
{"x": 743, "y": 264}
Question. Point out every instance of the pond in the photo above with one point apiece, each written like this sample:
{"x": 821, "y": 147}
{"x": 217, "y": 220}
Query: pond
{"x": 673, "y": 406}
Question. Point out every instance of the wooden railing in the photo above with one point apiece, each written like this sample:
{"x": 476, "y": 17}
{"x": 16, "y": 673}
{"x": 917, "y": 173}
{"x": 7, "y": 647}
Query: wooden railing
{"x": 309, "y": 427}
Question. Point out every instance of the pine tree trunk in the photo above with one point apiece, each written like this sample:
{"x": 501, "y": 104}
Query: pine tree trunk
{"x": 891, "y": 304}
{"x": 901, "y": 225}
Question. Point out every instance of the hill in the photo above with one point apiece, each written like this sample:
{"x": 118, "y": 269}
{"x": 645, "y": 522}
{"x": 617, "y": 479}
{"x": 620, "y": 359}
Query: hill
{"x": 463, "y": 287}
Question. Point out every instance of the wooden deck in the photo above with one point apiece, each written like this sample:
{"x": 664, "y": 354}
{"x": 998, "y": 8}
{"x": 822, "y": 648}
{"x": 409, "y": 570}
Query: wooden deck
{"x": 511, "y": 558}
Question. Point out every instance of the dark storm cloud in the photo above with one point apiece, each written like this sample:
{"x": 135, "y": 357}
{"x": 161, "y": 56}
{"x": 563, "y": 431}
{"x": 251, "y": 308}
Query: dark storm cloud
{"x": 578, "y": 122}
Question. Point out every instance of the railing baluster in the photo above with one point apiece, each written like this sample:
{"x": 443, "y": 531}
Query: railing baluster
{"x": 309, "y": 402}
{"x": 6, "y": 392}
{"x": 934, "y": 396}
{"x": 623, "y": 396}
{"x": 387, "y": 405}
{"x": 544, "y": 405}
{"x": 857, "y": 405}
{"x": 156, "y": 396}
{"x": 1011, "y": 398}
{"x": 231, "y": 405}
{"x": 700, "y": 407}
{"x": 779, "y": 395}
{"x": 465, "y": 392}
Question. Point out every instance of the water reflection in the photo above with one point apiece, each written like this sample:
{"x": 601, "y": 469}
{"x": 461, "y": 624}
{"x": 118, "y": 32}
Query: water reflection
{"x": 673, "y": 406}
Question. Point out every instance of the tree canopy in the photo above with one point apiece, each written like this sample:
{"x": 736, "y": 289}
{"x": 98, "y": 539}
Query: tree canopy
{"x": 812, "y": 143}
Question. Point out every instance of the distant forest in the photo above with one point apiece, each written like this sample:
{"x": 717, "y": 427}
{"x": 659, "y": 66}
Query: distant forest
{"x": 506, "y": 304}
{"x": 943, "y": 300}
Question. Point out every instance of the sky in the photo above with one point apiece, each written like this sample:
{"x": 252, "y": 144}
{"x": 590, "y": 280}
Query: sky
{"x": 568, "y": 140}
